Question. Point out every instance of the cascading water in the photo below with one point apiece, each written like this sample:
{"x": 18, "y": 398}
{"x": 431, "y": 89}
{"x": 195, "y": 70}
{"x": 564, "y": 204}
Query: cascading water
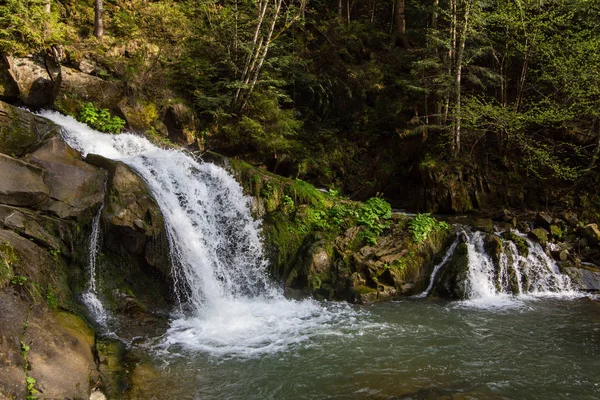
{"x": 510, "y": 275}
{"x": 229, "y": 307}
{"x": 90, "y": 296}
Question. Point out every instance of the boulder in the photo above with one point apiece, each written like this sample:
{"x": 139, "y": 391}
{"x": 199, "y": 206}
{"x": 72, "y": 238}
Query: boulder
{"x": 22, "y": 183}
{"x": 451, "y": 281}
{"x": 36, "y": 86}
{"x": 483, "y": 224}
{"x": 22, "y": 132}
{"x": 180, "y": 123}
{"x": 76, "y": 188}
{"x": 543, "y": 220}
{"x": 592, "y": 233}
{"x": 584, "y": 278}
{"x": 103, "y": 94}
{"x": 571, "y": 219}
{"x": 9, "y": 91}
{"x": 540, "y": 235}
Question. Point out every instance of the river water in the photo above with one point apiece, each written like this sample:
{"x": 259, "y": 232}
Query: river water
{"x": 235, "y": 336}
{"x": 536, "y": 348}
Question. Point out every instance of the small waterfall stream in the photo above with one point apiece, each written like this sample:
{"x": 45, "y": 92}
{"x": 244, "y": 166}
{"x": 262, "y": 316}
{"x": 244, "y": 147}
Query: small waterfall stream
{"x": 492, "y": 279}
{"x": 90, "y": 296}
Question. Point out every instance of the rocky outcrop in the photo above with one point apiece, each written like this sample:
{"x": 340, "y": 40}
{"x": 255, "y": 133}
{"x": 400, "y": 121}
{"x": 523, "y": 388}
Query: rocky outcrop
{"x": 84, "y": 87}
{"x": 22, "y": 132}
{"x": 37, "y": 88}
{"x": 75, "y": 187}
{"x": 48, "y": 196}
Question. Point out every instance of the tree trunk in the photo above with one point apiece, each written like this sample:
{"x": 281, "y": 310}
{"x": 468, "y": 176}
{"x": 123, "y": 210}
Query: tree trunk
{"x": 399, "y": 35}
{"x": 47, "y": 6}
{"x": 458, "y": 79}
{"x": 98, "y": 25}
{"x": 340, "y": 10}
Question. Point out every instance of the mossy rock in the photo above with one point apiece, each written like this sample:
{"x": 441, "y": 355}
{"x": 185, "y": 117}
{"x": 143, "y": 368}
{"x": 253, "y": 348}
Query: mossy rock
{"x": 22, "y": 132}
{"x": 519, "y": 242}
{"x": 540, "y": 235}
{"x": 452, "y": 281}
{"x": 556, "y": 232}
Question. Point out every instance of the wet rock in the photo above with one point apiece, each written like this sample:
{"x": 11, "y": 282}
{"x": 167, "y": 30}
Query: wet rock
{"x": 592, "y": 233}
{"x": 520, "y": 243}
{"x": 22, "y": 184}
{"x": 36, "y": 86}
{"x": 483, "y": 224}
{"x": 76, "y": 188}
{"x": 543, "y": 220}
{"x": 451, "y": 281}
{"x": 22, "y": 132}
{"x": 584, "y": 278}
{"x": 560, "y": 254}
{"x": 539, "y": 235}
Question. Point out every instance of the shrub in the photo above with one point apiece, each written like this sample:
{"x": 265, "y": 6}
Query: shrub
{"x": 423, "y": 224}
{"x": 100, "y": 120}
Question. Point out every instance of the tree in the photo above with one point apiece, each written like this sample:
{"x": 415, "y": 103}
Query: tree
{"x": 98, "y": 20}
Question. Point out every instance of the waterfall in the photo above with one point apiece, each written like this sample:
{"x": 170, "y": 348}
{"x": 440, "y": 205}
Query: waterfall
{"x": 229, "y": 306}
{"x": 90, "y": 296}
{"x": 494, "y": 279}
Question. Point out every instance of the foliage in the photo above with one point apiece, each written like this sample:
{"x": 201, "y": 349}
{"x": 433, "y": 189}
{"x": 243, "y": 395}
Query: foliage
{"x": 374, "y": 215}
{"x": 422, "y": 225}
{"x": 8, "y": 257}
{"x": 100, "y": 119}
{"x": 19, "y": 280}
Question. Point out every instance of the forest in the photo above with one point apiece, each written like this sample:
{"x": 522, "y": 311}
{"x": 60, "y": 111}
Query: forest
{"x": 436, "y": 105}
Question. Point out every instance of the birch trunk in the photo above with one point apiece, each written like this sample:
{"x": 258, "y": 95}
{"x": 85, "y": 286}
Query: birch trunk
{"x": 98, "y": 24}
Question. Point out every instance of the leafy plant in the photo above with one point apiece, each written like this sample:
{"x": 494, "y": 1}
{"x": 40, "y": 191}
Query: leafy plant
{"x": 19, "y": 280}
{"x": 100, "y": 119}
{"x": 423, "y": 224}
{"x": 373, "y": 215}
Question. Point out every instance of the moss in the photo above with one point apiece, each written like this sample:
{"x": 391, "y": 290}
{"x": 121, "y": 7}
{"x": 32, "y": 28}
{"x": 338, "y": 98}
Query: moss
{"x": 521, "y": 244}
{"x": 556, "y": 232}
{"x": 360, "y": 290}
{"x": 8, "y": 257}
{"x": 540, "y": 235}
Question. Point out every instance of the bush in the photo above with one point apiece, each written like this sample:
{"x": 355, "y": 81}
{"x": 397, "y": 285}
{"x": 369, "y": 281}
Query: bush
{"x": 423, "y": 224}
{"x": 100, "y": 120}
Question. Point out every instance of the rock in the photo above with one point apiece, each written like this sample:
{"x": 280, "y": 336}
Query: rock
{"x": 592, "y": 233}
{"x": 103, "y": 94}
{"x": 36, "y": 86}
{"x": 502, "y": 215}
{"x": 493, "y": 246}
{"x": 504, "y": 226}
{"x": 483, "y": 224}
{"x": 22, "y": 132}
{"x": 463, "y": 238}
{"x": 556, "y": 232}
{"x": 76, "y": 187}
{"x": 26, "y": 224}
{"x": 571, "y": 219}
{"x": 9, "y": 91}
{"x": 180, "y": 123}
{"x": 22, "y": 183}
{"x": 451, "y": 282}
{"x": 539, "y": 235}
{"x": 522, "y": 247}
{"x": 585, "y": 278}
{"x": 560, "y": 254}
{"x": 87, "y": 67}
{"x": 543, "y": 220}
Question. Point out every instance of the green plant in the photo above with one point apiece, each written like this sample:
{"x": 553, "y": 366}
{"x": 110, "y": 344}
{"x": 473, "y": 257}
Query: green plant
{"x": 100, "y": 119}
{"x": 423, "y": 224}
{"x": 31, "y": 390}
{"x": 19, "y": 280}
{"x": 51, "y": 297}
{"x": 374, "y": 216}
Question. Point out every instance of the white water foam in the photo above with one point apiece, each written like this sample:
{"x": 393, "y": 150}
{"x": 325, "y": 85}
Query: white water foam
{"x": 514, "y": 278}
{"x": 229, "y": 306}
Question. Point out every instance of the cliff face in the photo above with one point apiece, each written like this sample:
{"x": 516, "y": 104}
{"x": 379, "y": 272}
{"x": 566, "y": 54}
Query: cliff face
{"x": 48, "y": 198}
